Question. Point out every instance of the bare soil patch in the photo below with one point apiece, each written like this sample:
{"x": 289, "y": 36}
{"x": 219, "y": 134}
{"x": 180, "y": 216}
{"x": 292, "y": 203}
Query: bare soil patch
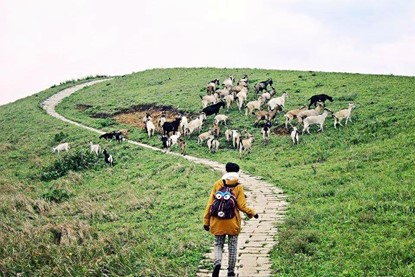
{"x": 281, "y": 130}
{"x": 134, "y": 115}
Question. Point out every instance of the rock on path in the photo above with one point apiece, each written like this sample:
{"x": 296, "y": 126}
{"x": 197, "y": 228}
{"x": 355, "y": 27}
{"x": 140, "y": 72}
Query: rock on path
{"x": 258, "y": 236}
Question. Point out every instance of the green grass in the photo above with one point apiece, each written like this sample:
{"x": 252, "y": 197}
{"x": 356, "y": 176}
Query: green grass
{"x": 350, "y": 190}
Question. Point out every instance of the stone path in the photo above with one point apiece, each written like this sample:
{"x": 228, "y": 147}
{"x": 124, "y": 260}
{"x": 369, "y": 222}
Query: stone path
{"x": 258, "y": 236}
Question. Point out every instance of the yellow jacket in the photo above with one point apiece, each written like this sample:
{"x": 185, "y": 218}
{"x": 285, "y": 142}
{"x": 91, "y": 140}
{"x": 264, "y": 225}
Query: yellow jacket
{"x": 230, "y": 226}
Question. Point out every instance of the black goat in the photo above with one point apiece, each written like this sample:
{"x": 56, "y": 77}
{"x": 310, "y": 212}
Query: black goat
{"x": 259, "y": 87}
{"x": 213, "y": 109}
{"x": 171, "y": 126}
{"x": 110, "y": 135}
{"x": 320, "y": 97}
{"x": 166, "y": 142}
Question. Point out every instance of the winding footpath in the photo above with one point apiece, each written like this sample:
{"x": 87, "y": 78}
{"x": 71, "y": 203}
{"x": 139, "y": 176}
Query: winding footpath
{"x": 258, "y": 236}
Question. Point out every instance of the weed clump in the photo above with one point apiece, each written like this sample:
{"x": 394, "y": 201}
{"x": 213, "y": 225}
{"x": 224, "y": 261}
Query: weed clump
{"x": 76, "y": 161}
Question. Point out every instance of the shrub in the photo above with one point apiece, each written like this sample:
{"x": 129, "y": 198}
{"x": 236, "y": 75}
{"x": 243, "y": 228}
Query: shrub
{"x": 75, "y": 161}
{"x": 56, "y": 195}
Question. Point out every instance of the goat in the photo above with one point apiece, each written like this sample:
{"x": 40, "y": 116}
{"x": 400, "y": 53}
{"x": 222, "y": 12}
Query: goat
{"x": 319, "y": 97}
{"x": 221, "y": 118}
{"x": 236, "y": 138}
{"x": 277, "y": 101}
{"x": 106, "y": 136}
{"x": 195, "y": 124}
{"x": 245, "y": 145}
{"x": 244, "y": 81}
{"x": 171, "y": 126}
{"x": 207, "y": 99}
{"x": 146, "y": 117}
{"x": 290, "y": 115}
{"x": 213, "y": 144}
{"x": 174, "y": 139}
{"x": 342, "y": 114}
{"x": 61, "y": 147}
{"x": 94, "y": 148}
{"x": 228, "y": 83}
{"x": 166, "y": 142}
{"x": 150, "y": 127}
{"x": 161, "y": 121}
{"x": 213, "y": 109}
{"x": 204, "y": 136}
{"x": 229, "y": 100}
{"x": 216, "y": 130}
{"x": 108, "y": 158}
{"x": 295, "y": 136}
{"x": 316, "y": 120}
{"x": 253, "y": 105}
{"x": 265, "y": 131}
{"x": 303, "y": 114}
{"x": 183, "y": 146}
{"x": 228, "y": 134}
{"x": 259, "y": 87}
{"x": 267, "y": 115}
{"x": 119, "y": 137}
{"x": 183, "y": 124}
{"x": 124, "y": 132}
{"x": 223, "y": 92}
{"x": 211, "y": 87}
{"x": 242, "y": 95}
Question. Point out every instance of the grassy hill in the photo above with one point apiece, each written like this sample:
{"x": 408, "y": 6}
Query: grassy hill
{"x": 350, "y": 189}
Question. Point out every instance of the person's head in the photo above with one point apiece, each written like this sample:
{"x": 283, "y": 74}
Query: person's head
{"x": 232, "y": 167}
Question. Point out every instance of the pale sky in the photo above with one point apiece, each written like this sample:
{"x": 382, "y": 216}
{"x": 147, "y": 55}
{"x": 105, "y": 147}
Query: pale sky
{"x": 45, "y": 42}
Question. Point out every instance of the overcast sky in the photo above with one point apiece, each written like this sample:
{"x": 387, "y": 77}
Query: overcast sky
{"x": 45, "y": 42}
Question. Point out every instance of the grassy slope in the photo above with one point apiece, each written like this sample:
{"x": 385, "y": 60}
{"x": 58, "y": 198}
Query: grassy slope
{"x": 124, "y": 213}
{"x": 352, "y": 210}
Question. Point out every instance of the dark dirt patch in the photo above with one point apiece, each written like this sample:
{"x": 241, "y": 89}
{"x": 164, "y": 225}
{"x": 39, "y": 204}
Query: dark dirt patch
{"x": 134, "y": 115}
{"x": 281, "y": 130}
{"x": 83, "y": 107}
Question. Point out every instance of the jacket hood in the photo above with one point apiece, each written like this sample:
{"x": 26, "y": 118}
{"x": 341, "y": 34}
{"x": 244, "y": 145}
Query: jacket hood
{"x": 231, "y": 178}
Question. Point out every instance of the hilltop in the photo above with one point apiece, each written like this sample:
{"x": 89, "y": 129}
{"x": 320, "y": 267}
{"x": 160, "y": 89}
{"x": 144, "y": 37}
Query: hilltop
{"x": 350, "y": 189}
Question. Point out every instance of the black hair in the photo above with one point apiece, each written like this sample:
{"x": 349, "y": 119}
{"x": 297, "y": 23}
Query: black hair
{"x": 232, "y": 167}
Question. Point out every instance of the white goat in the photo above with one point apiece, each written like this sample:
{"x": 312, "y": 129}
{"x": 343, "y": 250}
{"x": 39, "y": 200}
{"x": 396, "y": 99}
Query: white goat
{"x": 254, "y": 105}
{"x": 94, "y": 148}
{"x": 242, "y": 95}
{"x": 183, "y": 124}
{"x": 195, "y": 124}
{"x": 204, "y": 136}
{"x": 150, "y": 127}
{"x": 208, "y": 99}
{"x": 223, "y": 92}
{"x": 295, "y": 136}
{"x": 228, "y": 134}
{"x": 228, "y": 83}
{"x": 213, "y": 144}
{"x": 221, "y": 117}
{"x": 61, "y": 147}
{"x": 277, "y": 101}
{"x": 174, "y": 139}
{"x": 342, "y": 114}
{"x": 245, "y": 145}
{"x": 316, "y": 111}
{"x": 316, "y": 120}
{"x": 161, "y": 121}
{"x": 236, "y": 138}
{"x": 229, "y": 100}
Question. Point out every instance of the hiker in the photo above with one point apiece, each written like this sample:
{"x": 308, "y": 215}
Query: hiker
{"x": 222, "y": 216}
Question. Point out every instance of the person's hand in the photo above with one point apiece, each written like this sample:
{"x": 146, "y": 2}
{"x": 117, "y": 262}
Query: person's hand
{"x": 256, "y": 216}
{"x": 206, "y": 227}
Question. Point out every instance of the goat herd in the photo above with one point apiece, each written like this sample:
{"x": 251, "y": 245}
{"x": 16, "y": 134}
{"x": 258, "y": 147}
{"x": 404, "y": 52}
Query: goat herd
{"x": 174, "y": 132}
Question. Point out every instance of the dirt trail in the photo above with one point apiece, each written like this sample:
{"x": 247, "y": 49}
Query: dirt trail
{"x": 258, "y": 236}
